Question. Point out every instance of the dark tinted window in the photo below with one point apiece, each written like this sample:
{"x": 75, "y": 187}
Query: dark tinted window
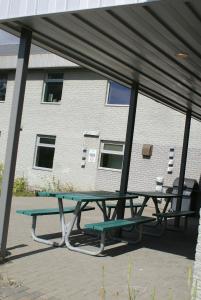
{"x": 3, "y": 84}
{"x": 111, "y": 161}
{"x": 45, "y": 157}
{"x": 45, "y": 149}
{"x": 118, "y": 94}
{"x": 111, "y": 155}
{"x": 53, "y": 87}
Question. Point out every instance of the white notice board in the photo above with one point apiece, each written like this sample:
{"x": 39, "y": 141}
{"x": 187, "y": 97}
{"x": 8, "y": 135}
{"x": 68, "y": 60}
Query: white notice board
{"x": 92, "y": 155}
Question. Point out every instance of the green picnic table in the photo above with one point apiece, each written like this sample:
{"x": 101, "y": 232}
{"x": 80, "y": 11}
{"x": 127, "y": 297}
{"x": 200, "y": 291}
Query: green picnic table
{"x": 99, "y": 197}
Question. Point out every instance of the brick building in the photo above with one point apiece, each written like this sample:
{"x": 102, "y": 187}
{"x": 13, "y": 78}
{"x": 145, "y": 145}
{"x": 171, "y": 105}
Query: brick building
{"x": 83, "y": 145}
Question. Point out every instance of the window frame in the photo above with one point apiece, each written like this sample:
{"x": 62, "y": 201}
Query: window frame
{"x": 37, "y": 144}
{"x": 2, "y": 74}
{"x": 102, "y": 143}
{"x": 107, "y": 96}
{"x": 45, "y": 80}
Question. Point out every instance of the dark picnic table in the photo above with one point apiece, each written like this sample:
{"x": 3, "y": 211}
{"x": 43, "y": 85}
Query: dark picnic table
{"x": 154, "y": 196}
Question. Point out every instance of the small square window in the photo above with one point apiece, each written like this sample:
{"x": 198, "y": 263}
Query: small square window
{"x": 118, "y": 94}
{"x": 3, "y": 85}
{"x": 111, "y": 156}
{"x": 44, "y": 154}
{"x": 53, "y": 88}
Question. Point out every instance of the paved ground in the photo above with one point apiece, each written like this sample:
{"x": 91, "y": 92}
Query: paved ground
{"x": 36, "y": 271}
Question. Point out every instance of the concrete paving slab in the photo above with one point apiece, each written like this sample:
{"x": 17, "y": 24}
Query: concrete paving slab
{"x": 162, "y": 263}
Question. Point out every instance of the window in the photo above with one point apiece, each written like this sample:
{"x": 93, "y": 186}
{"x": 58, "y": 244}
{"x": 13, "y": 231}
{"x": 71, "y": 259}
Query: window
{"x": 45, "y": 148}
{"x": 3, "y": 84}
{"x": 118, "y": 94}
{"x": 111, "y": 155}
{"x": 53, "y": 88}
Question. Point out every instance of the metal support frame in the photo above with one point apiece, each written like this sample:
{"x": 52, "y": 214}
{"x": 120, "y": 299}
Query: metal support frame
{"x": 69, "y": 228}
{"x": 100, "y": 249}
{"x": 13, "y": 136}
{"x": 183, "y": 163}
{"x": 128, "y": 149}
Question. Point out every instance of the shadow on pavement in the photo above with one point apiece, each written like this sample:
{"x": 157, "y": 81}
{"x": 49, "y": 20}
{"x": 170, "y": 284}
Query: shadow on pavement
{"x": 178, "y": 243}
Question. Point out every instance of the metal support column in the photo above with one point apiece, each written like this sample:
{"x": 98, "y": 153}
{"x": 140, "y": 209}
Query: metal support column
{"x": 183, "y": 162}
{"x": 128, "y": 149}
{"x": 13, "y": 137}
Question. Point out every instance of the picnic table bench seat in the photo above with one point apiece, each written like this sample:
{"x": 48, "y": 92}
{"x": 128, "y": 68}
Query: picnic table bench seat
{"x": 173, "y": 214}
{"x": 119, "y": 223}
{"x": 49, "y": 211}
{"x": 103, "y": 227}
{"x": 34, "y": 213}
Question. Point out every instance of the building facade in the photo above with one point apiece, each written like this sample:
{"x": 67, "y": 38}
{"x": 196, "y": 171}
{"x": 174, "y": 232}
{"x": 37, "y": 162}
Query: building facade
{"x": 74, "y": 125}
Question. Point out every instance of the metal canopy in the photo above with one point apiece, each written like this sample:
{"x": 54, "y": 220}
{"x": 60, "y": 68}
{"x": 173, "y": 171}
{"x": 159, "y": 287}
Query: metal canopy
{"x": 130, "y": 43}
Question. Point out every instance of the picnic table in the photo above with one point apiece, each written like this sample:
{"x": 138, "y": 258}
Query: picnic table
{"x": 100, "y": 198}
{"x": 154, "y": 196}
{"x": 163, "y": 215}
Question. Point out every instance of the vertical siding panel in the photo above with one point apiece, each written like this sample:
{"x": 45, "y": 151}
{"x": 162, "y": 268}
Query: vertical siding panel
{"x": 52, "y": 6}
{"x": 42, "y": 6}
{"x": 107, "y": 2}
{"x": 13, "y": 9}
{"x": 31, "y": 7}
{"x": 60, "y": 5}
{"x": 23, "y": 4}
{"x": 73, "y": 4}
{"x": 83, "y": 4}
{"x": 94, "y": 3}
{"x": 4, "y": 7}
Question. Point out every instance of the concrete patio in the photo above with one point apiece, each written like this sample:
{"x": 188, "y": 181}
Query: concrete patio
{"x": 43, "y": 272}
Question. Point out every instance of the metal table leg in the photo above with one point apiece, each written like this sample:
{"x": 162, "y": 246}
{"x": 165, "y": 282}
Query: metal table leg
{"x": 140, "y": 211}
{"x": 45, "y": 241}
{"x": 69, "y": 228}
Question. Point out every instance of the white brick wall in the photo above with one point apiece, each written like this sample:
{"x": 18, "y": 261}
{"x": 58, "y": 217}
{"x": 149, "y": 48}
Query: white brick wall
{"x": 83, "y": 108}
{"x": 79, "y": 110}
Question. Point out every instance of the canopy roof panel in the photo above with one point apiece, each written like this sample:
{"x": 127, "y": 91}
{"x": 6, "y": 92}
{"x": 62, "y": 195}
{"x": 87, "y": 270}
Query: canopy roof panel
{"x": 157, "y": 43}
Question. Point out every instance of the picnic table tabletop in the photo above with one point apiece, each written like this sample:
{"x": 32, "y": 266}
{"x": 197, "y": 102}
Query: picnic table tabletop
{"x": 154, "y": 194}
{"x": 92, "y": 196}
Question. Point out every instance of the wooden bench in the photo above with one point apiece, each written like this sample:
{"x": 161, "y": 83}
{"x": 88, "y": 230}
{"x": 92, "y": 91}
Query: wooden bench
{"x": 34, "y": 213}
{"x": 108, "y": 226}
{"x": 173, "y": 214}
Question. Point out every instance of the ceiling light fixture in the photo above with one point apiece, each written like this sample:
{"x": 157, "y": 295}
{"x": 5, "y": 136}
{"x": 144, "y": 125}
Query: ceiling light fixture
{"x": 182, "y": 55}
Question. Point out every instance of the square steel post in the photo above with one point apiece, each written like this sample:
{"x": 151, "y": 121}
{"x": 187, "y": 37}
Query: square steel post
{"x": 128, "y": 149}
{"x": 13, "y": 137}
{"x": 183, "y": 162}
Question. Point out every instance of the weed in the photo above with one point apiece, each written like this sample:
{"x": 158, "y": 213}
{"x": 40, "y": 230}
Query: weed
{"x": 22, "y": 188}
{"x": 153, "y": 294}
{"x": 131, "y": 291}
{"x": 194, "y": 291}
{"x": 102, "y": 289}
{"x": 55, "y": 185}
{"x": 132, "y": 295}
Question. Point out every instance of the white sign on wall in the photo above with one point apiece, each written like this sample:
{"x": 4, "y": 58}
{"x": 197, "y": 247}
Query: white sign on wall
{"x": 92, "y": 155}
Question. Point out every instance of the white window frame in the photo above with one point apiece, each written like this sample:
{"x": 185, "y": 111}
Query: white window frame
{"x": 51, "y": 80}
{"x": 38, "y": 136}
{"x": 102, "y": 150}
{"x": 107, "y": 96}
